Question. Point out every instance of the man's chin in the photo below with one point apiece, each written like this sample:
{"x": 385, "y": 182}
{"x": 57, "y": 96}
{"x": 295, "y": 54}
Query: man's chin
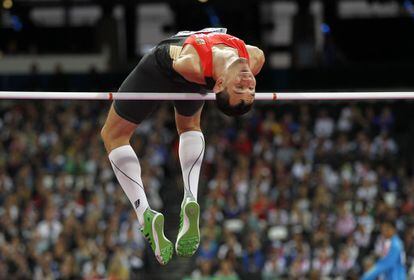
{"x": 242, "y": 60}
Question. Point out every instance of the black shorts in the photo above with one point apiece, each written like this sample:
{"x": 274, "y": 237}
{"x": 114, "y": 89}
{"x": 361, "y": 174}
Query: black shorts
{"x": 149, "y": 76}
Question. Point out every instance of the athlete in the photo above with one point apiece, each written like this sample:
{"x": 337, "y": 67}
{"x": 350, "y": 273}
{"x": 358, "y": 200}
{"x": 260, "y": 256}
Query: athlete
{"x": 197, "y": 62}
{"x": 392, "y": 264}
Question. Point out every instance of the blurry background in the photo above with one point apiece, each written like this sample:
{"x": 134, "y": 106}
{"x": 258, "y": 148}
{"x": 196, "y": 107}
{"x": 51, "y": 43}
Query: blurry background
{"x": 289, "y": 191}
{"x": 309, "y": 44}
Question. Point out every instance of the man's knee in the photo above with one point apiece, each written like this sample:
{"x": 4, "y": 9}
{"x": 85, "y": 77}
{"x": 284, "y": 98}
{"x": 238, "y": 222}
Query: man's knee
{"x": 185, "y": 123}
{"x": 107, "y": 137}
{"x": 116, "y": 131}
{"x": 114, "y": 137}
{"x": 105, "y": 134}
{"x": 181, "y": 130}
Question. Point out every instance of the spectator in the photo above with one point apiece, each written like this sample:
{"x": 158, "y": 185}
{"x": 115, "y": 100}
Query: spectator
{"x": 202, "y": 272}
{"x": 231, "y": 244}
{"x": 344, "y": 263}
{"x": 345, "y": 223}
{"x": 276, "y": 263}
{"x": 323, "y": 262}
{"x": 208, "y": 250}
{"x": 296, "y": 185}
{"x": 119, "y": 267}
{"x": 226, "y": 272}
{"x": 300, "y": 267}
{"x": 324, "y": 125}
{"x": 367, "y": 192}
{"x": 253, "y": 258}
{"x": 48, "y": 230}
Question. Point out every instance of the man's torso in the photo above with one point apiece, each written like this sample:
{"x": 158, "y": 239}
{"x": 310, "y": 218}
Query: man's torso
{"x": 200, "y": 47}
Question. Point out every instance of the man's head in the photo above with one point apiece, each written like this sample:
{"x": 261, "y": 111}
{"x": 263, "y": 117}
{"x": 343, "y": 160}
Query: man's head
{"x": 235, "y": 89}
{"x": 388, "y": 229}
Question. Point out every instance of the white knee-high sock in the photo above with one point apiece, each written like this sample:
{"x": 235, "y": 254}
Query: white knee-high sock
{"x": 127, "y": 169}
{"x": 191, "y": 152}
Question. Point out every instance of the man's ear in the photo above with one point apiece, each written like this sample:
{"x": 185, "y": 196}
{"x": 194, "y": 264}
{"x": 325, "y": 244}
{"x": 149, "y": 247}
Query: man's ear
{"x": 219, "y": 86}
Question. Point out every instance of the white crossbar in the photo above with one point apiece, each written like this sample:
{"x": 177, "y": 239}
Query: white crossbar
{"x": 209, "y": 96}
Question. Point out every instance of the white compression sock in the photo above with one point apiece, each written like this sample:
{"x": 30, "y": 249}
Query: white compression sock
{"x": 127, "y": 169}
{"x": 191, "y": 152}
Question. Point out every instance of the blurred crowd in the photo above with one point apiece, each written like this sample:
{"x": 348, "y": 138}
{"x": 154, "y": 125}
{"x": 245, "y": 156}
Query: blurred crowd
{"x": 300, "y": 194}
{"x": 62, "y": 214}
{"x": 291, "y": 193}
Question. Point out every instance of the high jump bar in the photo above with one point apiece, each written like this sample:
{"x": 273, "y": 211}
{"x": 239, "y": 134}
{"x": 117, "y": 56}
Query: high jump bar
{"x": 365, "y": 95}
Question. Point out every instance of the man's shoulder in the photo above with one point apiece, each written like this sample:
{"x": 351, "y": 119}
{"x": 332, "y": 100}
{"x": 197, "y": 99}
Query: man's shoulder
{"x": 396, "y": 240}
{"x": 256, "y": 57}
{"x": 254, "y": 51}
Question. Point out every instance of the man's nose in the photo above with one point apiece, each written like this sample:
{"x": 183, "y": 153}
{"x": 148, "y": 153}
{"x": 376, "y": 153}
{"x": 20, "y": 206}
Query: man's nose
{"x": 247, "y": 83}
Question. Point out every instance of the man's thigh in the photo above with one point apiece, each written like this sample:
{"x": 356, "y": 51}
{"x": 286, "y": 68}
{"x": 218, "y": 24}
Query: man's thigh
{"x": 144, "y": 78}
{"x": 148, "y": 77}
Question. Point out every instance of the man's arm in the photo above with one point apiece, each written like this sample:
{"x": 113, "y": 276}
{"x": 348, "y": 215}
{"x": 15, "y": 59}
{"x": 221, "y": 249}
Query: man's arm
{"x": 257, "y": 59}
{"x": 187, "y": 67}
{"x": 383, "y": 264}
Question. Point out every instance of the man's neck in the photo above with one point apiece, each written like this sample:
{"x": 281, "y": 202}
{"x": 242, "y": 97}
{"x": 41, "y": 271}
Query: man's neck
{"x": 222, "y": 59}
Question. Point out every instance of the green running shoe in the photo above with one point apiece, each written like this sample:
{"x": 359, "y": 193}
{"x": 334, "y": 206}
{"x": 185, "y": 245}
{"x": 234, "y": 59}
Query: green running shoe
{"x": 153, "y": 231}
{"x": 189, "y": 234}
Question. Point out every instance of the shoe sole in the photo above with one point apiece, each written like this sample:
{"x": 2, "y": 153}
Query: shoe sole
{"x": 163, "y": 246}
{"x": 188, "y": 242}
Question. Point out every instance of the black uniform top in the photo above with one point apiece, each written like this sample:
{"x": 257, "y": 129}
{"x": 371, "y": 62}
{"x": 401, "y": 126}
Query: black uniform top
{"x": 155, "y": 73}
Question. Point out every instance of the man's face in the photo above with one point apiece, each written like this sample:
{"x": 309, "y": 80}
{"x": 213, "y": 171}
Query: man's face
{"x": 240, "y": 82}
{"x": 387, "y": 231}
